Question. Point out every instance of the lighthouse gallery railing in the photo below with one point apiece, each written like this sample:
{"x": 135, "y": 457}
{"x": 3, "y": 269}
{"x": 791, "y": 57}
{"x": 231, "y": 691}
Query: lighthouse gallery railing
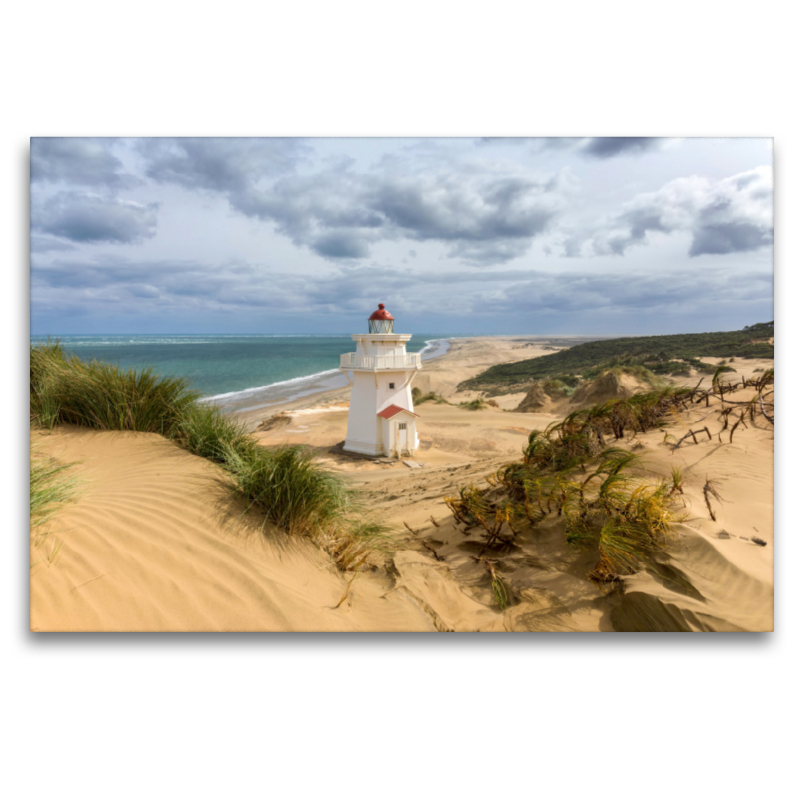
{"x": 355, "y": 361}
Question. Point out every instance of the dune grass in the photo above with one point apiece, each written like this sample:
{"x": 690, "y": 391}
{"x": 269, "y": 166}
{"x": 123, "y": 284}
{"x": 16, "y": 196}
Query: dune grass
{"x": 51, "y": 487}
{"x": 298, "y": 497}
{"x": 64, "y": 389}
{"x": 573, "y": 472}
{"x": 204, "y": 430}
{"x": 284, "y": 484}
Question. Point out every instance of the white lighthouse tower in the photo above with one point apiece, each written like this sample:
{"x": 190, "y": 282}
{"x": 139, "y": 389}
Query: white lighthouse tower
{"x": 381, "y": 420}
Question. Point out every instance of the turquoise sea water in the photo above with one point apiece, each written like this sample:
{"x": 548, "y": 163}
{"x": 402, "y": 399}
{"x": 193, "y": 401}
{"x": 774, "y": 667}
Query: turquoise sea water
{"x": 239, "y": 372}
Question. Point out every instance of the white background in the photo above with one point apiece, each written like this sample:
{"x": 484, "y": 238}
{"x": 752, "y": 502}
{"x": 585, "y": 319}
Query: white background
{"x": 394, "y": 716}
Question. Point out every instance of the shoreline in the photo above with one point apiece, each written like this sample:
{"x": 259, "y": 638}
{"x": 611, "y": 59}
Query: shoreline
{"x": 158, "y": 541}
{"x": 273, "y": 395}
{"x": 464, "y": 357}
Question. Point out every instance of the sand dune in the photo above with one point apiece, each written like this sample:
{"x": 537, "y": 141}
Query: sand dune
{"x": 156, "y": 542}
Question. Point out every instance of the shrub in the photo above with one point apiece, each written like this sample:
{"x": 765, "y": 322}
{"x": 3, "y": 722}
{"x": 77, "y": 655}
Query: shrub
{"x": 430, "y": 397}
{"x": 478, "y": 404}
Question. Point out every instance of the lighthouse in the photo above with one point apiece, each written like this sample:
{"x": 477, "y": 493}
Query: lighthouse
{"x": 381, "y": 420}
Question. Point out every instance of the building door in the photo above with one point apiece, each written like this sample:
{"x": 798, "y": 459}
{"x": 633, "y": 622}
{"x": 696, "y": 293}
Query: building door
{"x": 402, "y": 438}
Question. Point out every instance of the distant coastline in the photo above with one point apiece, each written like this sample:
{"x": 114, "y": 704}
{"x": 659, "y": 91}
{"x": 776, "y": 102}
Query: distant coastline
{"x": 281, "y": 392}
{"x": 237, "y": 372}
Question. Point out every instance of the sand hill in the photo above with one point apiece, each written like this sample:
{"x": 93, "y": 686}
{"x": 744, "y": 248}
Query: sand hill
{"x": 156, "y": 542}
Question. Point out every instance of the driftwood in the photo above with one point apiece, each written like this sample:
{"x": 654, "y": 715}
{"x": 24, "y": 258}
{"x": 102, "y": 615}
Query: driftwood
{"x": 693, "y": 434}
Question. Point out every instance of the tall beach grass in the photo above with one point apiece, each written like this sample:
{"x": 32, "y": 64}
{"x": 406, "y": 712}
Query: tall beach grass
{"x": 64, "y": 389}
{"x": 51, "y": 487}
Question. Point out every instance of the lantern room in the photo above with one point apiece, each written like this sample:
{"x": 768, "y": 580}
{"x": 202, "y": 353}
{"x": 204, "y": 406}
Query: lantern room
{"x": 381, "y": 321}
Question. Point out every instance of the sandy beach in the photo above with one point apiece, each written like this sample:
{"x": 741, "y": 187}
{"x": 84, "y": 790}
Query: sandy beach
{"x": 157, "y": 542}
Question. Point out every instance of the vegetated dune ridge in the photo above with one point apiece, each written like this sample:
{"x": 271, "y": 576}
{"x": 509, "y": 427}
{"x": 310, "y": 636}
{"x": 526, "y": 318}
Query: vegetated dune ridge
{"x": 157, "y": 543}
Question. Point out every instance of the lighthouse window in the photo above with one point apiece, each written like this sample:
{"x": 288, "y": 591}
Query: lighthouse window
{"x": 402, "y": 426}
{"x": 391, "y": 386}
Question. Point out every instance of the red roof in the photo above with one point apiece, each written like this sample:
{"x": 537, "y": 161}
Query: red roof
{"x": 381, "y": 313}
{"x": 393, "y": 410}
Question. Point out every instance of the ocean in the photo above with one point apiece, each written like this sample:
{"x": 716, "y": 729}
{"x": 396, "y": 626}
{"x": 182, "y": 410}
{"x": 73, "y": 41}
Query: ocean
{"x": 239, "y": 373}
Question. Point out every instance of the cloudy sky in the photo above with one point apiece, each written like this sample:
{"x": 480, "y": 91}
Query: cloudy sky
{"x": 606, "y": 236}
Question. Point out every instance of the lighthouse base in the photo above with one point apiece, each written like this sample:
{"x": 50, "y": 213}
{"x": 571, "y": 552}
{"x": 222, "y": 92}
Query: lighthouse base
{"x": 363, "y": 448}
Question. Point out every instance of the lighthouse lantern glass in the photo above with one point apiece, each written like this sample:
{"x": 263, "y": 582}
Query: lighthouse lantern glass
{"x": 381, "y": 326}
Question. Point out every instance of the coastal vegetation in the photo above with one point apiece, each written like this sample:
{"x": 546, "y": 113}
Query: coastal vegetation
{"x": 577, "y": 473}
{"x": 650, "y": 355}
{"x": 51, "y": 486}
{"x": 429, "y": 397}
{"x": 284, "y": 484}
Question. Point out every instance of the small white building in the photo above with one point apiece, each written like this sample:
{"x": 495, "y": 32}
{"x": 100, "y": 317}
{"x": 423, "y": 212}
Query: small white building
{"x": 381, "y": 420}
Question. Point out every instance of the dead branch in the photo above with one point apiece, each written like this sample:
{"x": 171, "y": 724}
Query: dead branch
{"x": 709, "y": 491}
{"x": 693, "y": 434}
{"x": 738, "y": 423}
{"x": 346, "y": 592}
{"x": 431, "y": 550}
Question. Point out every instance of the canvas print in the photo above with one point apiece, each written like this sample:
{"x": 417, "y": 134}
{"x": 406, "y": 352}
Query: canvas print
{"x": 401, "y": 385}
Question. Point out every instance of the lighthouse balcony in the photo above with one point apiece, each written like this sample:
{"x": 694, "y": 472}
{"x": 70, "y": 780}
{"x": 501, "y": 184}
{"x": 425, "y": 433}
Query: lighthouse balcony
{"x": 356, "y": 361}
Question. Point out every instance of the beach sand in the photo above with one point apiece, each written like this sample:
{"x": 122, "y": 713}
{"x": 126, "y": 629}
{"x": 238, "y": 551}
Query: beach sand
{"x": 157, "y": 543}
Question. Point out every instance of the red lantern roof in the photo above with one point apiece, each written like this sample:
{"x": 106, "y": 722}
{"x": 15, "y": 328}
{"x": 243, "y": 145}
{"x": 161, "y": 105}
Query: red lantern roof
{"x": 381, "y": 313}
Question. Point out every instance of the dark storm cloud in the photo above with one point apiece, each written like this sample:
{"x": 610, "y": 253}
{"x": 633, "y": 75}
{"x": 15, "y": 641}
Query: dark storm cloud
{"x": 81, "y": 161}
{"x": 483, "y": 216}
{"x": 730, "y": 216}
{"x": 81, "y": 217}
{"x": 610, "y": 146}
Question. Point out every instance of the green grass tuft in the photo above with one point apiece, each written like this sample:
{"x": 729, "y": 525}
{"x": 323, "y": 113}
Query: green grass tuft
{"x": 301, "y": 498}
{"x": 205, "y": 431}
{"x": 51, "y": 487}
